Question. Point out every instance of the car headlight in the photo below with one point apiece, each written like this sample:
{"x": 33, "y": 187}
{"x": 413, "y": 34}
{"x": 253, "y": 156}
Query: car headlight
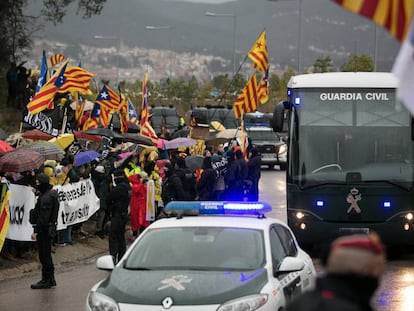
{"x": 282, "y": 149}
{"x": 248, "y": 303}
{"x": 100, "y": 302}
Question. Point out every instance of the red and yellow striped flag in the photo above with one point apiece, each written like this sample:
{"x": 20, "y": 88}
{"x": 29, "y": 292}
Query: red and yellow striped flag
{"x": 393, "y": 15}
{"x": 4, "y": 212}
{"x": 258, "y": 53}
{"x": 248, "y": 98}
{"x": 76, "y": 80}
{"x": 56, "y": 59}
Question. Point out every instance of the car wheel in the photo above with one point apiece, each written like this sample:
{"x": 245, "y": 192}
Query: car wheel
{"x": 271, "y": 167}
{"x": 283, "y": 166}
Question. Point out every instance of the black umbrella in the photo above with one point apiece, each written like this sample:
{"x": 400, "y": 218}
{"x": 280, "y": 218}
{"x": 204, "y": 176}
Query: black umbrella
{"x": 135, "y": 138}
{"x": 103, "y": 131}
{"x": 181, "y": 133}
{"x": 133, "y": 127}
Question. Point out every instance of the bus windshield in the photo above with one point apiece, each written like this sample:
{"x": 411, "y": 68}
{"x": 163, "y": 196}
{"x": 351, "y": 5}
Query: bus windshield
{"x": 350, "y": 135}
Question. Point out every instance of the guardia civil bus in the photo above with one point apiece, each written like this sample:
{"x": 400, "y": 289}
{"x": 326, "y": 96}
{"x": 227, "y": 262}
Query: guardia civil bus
{"x": 350, "y": 157}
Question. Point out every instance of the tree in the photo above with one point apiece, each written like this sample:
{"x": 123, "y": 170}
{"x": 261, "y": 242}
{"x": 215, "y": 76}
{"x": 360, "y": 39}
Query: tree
{"x": 18, "y": 27}
{"x": 322, "y": 65}
{"x": 358, "y": 63}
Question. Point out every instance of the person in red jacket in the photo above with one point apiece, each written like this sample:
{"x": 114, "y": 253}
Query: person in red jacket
{"x": 138, "y": 203}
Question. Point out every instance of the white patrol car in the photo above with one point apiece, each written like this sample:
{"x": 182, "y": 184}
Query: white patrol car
{"x": 271, "y": 147}
{"x": 221, "y": 260}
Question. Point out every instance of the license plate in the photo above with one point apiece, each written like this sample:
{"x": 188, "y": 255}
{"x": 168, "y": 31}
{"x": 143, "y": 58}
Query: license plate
{"x": 354, "y": 230}
{"x": 268, "y": 156}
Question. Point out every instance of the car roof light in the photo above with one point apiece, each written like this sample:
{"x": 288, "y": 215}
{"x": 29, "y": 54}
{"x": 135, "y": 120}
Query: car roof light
{"x": 181, "y": 208}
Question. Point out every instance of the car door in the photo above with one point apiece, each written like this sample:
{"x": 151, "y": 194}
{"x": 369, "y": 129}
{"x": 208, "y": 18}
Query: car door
{"x": 281, "y": 248}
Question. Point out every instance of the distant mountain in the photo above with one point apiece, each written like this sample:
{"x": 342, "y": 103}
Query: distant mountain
{"x": 326, "y": 29}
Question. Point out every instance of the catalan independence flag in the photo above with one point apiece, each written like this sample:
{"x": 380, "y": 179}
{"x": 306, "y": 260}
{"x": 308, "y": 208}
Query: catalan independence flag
{"x": 93, "y": 120}
{"x": 56, "y": 59}
{"x": 109, "y": 101}
{"x": 393, "y": 15}
{"x": 4, "y": 211}
{"x": 248, "y": 98}
{"x": 44, "y": 98}
{"x": 146, "y": 128}
{"x": 43, "y": 73}
{"x": 258, "y": 53}
{"x": 76, "y": 80}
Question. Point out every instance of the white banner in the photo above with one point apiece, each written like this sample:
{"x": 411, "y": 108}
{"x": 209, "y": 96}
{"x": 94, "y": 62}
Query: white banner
{"x": 78, "y": 202}
{"x": 22, "y": 200}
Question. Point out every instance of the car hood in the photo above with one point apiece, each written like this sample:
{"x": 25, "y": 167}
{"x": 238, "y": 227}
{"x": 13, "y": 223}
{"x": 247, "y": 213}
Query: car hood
{"x": 183, "y": 286}
{"x": 267, "y": 142}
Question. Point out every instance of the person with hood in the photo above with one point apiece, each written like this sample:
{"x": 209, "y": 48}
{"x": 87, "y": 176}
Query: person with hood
{"x": 138, "y": 202}
{"x": 44, "y": 220}
{"x": 207, "y": 182}
{"x": 187, "y": 177}
{"x": 353, "y": 266}
{"x": 172, "y": 187}
{"x": 117, "y": 202}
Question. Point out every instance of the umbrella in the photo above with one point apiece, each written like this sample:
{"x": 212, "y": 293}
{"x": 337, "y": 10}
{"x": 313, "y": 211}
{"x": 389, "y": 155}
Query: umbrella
{"x": 223, "y": 136}
{"x": 83, "y": 135}
{"x": 103, "y": 131}
{"x": 84, "y": 157}
{"x": 132, "y": 127}
{"x": 63, "y": 140}
{"x": 179, "y": 142}
{"x": 185, "y": 132}
{"x": 48, "y": 150}
{"x": 3, "y": 134}
{"x": 194, "y": 162}
{"x": 20, "y": 160}
{"x": 36, "y": 135}
{"x": 5, "y": 146}
{"x": 136, "y": 139}
{"x": 229, "y": 133}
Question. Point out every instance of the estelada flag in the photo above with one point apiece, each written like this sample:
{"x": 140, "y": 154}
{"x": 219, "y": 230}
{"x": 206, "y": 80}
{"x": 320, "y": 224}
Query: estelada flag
{"x": 4, "y": 211}
{"x": 393, "y": 15}
{"x": 258, "y": 53}
{"x": 44, "y": 98}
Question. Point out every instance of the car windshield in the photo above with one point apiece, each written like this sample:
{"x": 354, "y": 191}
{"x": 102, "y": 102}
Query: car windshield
{"x": 263, "y": 135}
{"x": 198, "y": 248}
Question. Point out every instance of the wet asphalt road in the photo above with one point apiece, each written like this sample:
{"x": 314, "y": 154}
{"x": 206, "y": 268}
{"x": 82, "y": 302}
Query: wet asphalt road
{"x": 396, "y": 291}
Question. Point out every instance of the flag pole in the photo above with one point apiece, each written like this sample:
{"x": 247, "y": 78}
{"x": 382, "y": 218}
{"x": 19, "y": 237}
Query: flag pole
{"x": 240, "y": 66}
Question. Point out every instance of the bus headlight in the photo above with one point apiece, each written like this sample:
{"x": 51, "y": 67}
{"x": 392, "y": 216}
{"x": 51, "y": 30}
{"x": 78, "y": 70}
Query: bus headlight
{"x": 300, "y": 215}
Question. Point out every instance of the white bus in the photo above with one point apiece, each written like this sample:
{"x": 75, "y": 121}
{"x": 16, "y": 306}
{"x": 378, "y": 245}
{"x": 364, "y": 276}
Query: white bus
{"x": 350, "y": 157}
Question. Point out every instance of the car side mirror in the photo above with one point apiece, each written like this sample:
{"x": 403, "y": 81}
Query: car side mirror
{"x": 105, "y": 263}
{"x": 288, "y": 265}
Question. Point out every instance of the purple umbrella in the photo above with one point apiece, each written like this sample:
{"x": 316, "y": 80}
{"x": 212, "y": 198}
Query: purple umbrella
{"x": 84, "y": 157}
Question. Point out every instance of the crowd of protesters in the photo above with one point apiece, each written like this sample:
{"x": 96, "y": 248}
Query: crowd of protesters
{"x": 120, "y": 184}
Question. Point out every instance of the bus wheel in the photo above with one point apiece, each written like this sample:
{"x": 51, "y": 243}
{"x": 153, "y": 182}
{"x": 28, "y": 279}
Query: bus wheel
{"x": 283, "y": 166}
{"x": 271, "y": 167}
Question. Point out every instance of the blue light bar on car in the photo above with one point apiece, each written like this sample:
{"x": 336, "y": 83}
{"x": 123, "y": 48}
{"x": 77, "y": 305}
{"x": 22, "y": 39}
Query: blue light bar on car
{"x": 217, "y": 208}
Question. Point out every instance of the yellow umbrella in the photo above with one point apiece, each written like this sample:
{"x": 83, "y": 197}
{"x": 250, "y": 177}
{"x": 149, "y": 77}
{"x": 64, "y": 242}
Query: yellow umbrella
{"x": 216, "y": 125}
{"x": 63, "y": 140}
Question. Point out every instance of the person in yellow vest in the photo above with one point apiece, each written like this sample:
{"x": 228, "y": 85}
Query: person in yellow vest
{"x": 132, "y": 167}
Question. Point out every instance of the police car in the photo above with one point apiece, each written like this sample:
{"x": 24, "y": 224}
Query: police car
{"x": 218, "y": 256}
